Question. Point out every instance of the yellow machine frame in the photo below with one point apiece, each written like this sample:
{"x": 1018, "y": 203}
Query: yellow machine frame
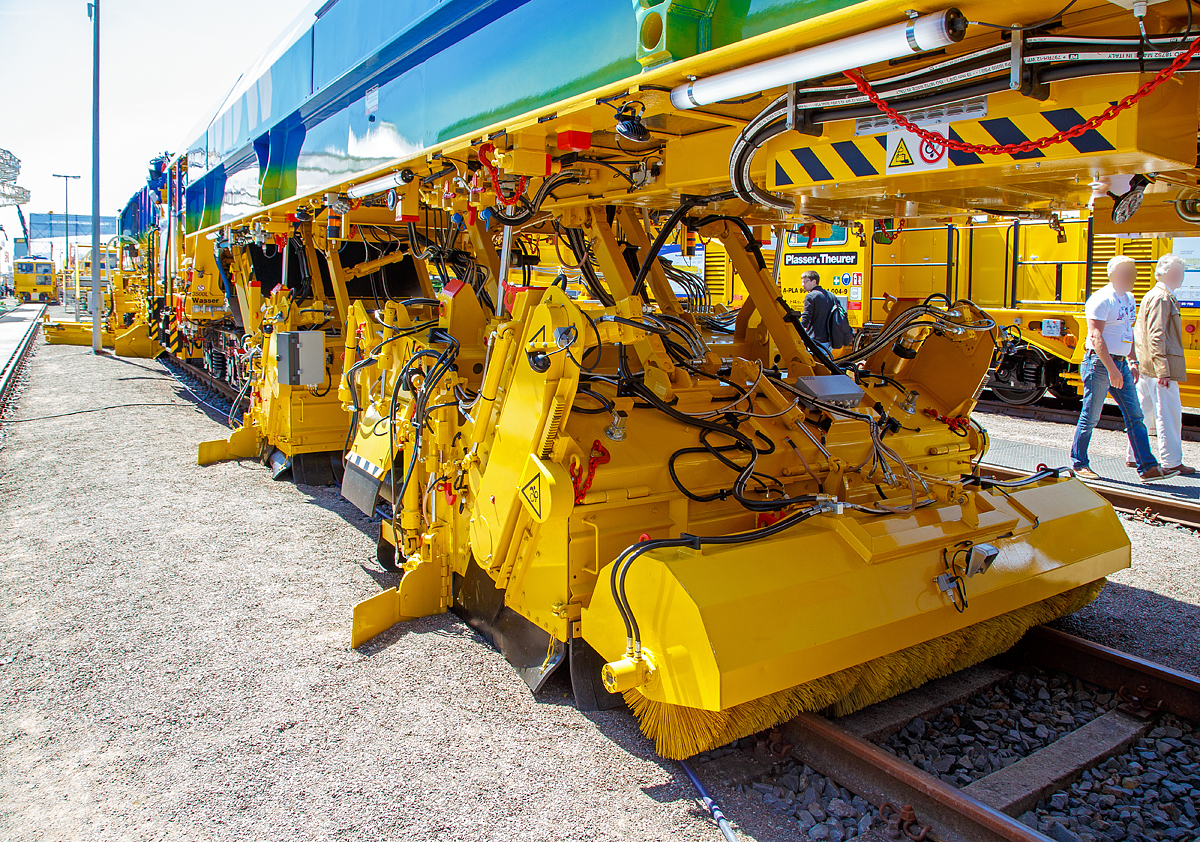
{"x": 699, "y": 512}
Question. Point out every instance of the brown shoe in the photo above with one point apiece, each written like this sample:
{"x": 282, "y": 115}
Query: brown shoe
{"x": 1158, "y": 472}
{"x": 1131, "y": 464}
{"x": 1086, "y": 473}
{"x": 1183, "y": 470}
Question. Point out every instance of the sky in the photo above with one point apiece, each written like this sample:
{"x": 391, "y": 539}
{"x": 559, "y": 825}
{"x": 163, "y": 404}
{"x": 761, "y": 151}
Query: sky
{"x": 164, "y": 64}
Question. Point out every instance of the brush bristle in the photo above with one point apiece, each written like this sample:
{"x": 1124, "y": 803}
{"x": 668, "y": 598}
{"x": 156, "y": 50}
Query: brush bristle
{"x": 679, "y": 732}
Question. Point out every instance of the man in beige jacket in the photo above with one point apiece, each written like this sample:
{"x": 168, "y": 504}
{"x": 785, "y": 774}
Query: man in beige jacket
{"x": 1160, "y": 365}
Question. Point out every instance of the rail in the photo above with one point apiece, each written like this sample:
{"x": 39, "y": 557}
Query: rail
{"x": 11, "y": 366}
{"x": 836, "y": 749}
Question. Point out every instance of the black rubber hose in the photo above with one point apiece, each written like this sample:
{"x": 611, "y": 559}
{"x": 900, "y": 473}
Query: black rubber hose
{"x": 659, "y": 241}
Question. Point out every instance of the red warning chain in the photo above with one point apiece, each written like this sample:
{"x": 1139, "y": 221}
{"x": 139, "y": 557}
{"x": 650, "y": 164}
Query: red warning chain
{"x": 598, "y": 456}
{"x": 957, "y": 425}
{"x": 1107, "y": 114}
{"x": 522, "y": 182}
{"x": 882, "y": 231}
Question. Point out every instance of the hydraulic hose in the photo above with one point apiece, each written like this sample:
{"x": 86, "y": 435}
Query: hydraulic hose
{"x": 708, "y": 802}
{"x": 674, "y": 219}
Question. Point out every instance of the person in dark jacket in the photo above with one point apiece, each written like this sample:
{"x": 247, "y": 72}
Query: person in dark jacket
{"x": 818, "y": 301}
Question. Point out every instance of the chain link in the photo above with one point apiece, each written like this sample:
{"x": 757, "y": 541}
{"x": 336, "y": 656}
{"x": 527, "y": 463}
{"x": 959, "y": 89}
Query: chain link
{"x": 598, "y": 456}
{"x": 1107, "y": 114}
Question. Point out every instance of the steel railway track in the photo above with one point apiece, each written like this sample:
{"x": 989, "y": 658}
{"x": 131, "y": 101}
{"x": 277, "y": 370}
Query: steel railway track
{"x": 840, "y": 749}
{"x": 208, "y": 380}
{"x": 22, "y": 324}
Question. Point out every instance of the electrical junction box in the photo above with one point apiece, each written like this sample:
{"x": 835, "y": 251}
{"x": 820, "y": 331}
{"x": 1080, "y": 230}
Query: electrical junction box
{"x": 837, "y": 389}
{"x": 300, "y": 357}
{"x": 1052, "y": 327}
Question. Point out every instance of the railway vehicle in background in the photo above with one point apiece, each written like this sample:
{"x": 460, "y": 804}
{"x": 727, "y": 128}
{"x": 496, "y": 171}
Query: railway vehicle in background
{"x": 80, "y": 281}
{"x": 1057, "y": 261}
{"x": 124, "y": 327}
{"x": 1056, "y": 267}
{"x": 35, "y": 279}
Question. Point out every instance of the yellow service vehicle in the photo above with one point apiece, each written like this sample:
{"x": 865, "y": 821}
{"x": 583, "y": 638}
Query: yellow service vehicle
{"x": 123, "y": 325}
{"x": 1057, "y": 261}
{"x": 701, "y": 514}
{"x": 34, "y": 279}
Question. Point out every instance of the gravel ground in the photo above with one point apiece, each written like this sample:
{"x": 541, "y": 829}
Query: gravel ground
{"x": 174, "y": 658}
{"x": 1148, "y": 793}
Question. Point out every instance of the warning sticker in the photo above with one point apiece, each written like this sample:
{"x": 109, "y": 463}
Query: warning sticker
{"x": 532, "y": 492}
{"x": 907, "y": 152}
{"x": 901, "y": 157}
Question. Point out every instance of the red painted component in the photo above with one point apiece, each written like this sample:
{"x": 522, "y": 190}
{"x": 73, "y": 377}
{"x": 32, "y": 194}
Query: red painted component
{"x": 598, "y": 456}
{"x": 510, "y": 294}
{"x": 1180, "y": 62}
{"x": 574, "y": 141}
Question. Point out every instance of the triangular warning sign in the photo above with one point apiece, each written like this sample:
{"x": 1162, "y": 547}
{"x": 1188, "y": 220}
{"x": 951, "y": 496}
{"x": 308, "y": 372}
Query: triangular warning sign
{"x": 901, "y": 157}
{"x": 532, "y": 492}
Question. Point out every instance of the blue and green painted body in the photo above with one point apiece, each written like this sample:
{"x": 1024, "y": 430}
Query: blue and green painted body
{"x": 353, "y": 84}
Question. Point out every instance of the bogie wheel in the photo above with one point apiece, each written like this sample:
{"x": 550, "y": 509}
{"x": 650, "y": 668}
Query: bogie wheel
{"x": 1019, "y": 378}
{"x": 1018, "y": 397}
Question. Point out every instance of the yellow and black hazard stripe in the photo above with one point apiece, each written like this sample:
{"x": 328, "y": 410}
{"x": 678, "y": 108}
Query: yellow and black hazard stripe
{"x": 844, "y": 160}
{"x": 1007, "y": 131}
{"x": 865, "y": 157}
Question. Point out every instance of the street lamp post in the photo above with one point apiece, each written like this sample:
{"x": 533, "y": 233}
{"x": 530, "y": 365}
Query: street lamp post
{"x": 97, "y": 293}
{"x": 67, "y": 248}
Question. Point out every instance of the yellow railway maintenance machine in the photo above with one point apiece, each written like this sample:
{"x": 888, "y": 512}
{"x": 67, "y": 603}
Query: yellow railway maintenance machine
{"x": 701, "y": 513}
{"x": 34, "y": 279}
{"x": 123, "y": 324}
{"x": 1056, "y": 258}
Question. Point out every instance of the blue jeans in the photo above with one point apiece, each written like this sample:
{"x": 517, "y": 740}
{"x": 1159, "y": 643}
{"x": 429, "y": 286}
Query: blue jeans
{"x": 1095, "y": 386}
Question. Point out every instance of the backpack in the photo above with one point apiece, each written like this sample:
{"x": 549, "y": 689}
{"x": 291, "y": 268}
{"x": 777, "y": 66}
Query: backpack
{"x": 837, "y": 324}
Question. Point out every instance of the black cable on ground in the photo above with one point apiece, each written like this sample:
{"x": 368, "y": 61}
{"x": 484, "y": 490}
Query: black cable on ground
{"x": 91, "y": 409}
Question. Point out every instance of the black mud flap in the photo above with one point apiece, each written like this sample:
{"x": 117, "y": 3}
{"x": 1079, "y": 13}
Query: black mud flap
{"x": 590, "y": 693}
{"x": 531, "y": 651}
{"x": 314, "y": 468}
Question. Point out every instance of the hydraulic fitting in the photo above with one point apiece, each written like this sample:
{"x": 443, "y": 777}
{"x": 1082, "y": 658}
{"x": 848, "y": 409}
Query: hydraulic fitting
{"x": 627, "y": 673}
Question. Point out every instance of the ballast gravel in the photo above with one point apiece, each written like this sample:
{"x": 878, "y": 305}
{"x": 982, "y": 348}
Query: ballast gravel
{"x": 1151, "y": 792}
{"x": 1022, "y": 714}
{"x": 813, "y": 804}
{"x": 175, "y": 661}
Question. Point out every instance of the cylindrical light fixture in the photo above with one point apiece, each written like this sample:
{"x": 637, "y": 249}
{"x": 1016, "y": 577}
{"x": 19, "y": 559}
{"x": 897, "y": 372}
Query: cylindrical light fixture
{"x": 927, "y": 32}
{"x": 378, "y": 185}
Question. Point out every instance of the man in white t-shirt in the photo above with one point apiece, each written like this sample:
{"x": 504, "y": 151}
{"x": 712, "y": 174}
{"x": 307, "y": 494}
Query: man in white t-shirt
{"x": 1110, "y": 313}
